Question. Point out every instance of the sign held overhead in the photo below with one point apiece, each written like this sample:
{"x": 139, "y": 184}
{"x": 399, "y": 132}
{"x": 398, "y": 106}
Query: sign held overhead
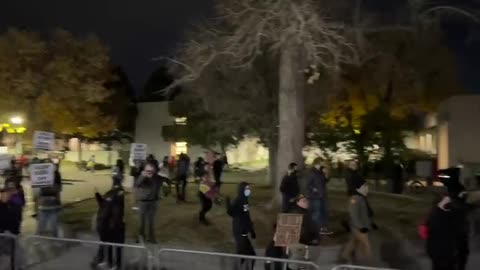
{"x": 43, "y": 140}
{"x": 138, "y": 151}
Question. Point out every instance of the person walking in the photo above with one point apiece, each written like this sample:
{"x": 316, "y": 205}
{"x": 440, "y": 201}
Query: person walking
{"x": 361, "y": 223}
{"x": 110, "y": 226}
{"x": 199, "y": 169}
{"x": 183, "y": 166}
{"x": 147, "y": 188}
{"x": 49, "y": 206}
{"x": 317, "y": 195}
{"x": 289, "y": 187}
{"x": 218, "y": 166}
{"x": 91, "y": 164}
{"x": 242, "y": 225}
{"x": 397, "y": 176}
{"x": 352, "y": 176}
{"x": 207, "y": 193}
{"x": 448, "y": 226}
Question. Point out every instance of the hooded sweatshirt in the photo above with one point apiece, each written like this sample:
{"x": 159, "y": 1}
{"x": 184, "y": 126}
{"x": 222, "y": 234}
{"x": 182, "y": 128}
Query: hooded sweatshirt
{"x": 110, "y": 210}
{"x": 240, "y": 213}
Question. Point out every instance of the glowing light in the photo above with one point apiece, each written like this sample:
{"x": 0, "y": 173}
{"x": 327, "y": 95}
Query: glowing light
{"x": 16, "y": 120}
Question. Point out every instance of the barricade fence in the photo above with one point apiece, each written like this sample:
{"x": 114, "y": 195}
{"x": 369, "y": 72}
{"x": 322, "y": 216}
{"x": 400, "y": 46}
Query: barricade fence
{"x": 50, "y": 253}
{"x": 177, "y": 259}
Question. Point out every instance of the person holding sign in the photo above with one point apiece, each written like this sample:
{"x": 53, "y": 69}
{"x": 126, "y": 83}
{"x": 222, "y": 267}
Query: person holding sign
{"x": 49, "y": 204}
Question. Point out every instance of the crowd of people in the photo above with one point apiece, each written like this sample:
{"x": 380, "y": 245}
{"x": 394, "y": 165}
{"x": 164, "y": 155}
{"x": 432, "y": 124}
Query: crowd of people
{"x": 305, "y": 193}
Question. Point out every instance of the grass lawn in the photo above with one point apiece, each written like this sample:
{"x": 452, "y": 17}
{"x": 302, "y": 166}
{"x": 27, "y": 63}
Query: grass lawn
{"x": 177, "y": 224}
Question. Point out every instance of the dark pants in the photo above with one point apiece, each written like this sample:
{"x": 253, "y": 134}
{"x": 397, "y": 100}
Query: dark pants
{"x": 318, "y": 209}
{"x": 286, "y": 203}
{"x": 206, "y": 205}
{"x": 218, "y": 179}
{"x": 181, "y": 187}
{"x": 113, "y": 255}
{"x": 148, "y": 211}
{"x": 443, "y": 264}
{"x": 244, "y": 247}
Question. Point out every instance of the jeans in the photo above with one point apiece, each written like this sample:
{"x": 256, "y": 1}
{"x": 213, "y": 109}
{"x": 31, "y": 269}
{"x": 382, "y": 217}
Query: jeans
{"x": 148, "y": 210}
{"x": 48, "y": 222}
{"x": 319, "y": 212}
{"x": 244, "y": 247}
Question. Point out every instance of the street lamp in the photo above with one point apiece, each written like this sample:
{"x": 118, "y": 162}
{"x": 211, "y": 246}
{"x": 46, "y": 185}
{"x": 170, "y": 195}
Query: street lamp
{"x": 16, "y": 120}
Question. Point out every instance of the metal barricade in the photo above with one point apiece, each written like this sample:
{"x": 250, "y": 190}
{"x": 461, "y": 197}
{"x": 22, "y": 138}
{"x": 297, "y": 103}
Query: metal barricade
{"x": 49, "y": 253}
{"x": 179, "y": 259}
{"x": 357, "y": 267}
{"x": 8, "y": 252}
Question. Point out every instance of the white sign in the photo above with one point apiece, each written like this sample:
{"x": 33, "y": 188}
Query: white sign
{"x": 138, "y": 151}
{"x": 5, "y": 161}
{"x": 42, "y": 174}
{"x": 43, "y": 140}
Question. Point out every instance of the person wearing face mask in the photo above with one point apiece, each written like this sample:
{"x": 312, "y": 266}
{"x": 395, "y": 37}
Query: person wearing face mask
{"x": 289, "y": 188}
{"x": 242, "y": 224}
{"x": 448, "y": 226}
{"x": 361, "y": 223}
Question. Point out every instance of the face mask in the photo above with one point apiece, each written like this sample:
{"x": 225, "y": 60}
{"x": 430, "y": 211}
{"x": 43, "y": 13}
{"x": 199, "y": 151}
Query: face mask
{"x": 247, "y": 192}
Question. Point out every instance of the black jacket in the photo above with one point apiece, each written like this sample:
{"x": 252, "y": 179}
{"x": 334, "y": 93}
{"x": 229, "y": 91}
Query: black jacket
{"x": 352, "y": 177}
{"x": 218, "y": 167}
{"x": 110, "y": 214}
{"x": 309, "y": 229}
{"x": 448, "y": 233}
{"x": 242, "y": 224}
{"x": 289, "y": 186}
{"x": 274, "y": 252}
{"x": 316, "y": 184}
{"x": 199, "y": 168}
{"x": 10, "y": 217}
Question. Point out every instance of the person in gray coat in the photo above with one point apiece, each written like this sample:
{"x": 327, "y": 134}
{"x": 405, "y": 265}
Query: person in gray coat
{"x": 147, "y": 190}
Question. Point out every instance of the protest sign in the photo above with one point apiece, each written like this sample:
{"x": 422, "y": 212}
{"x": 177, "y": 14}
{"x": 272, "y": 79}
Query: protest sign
{"x": 289, "y": 228}
{"x": 138, "y": 151}
{"x": 43, "y": 140}
{"x": 42, "y": 174}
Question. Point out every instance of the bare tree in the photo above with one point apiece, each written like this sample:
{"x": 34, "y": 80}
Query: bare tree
{"x": 300, "y": 34}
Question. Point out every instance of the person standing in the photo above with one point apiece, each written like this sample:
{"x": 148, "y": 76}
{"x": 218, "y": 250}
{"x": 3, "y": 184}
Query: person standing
{"x": 242, "y": 225}
{"x": 49, "y": 206}
{"x": 207, "y": 192}
{"x": 361, "y": 223}
{"x": 199, "y": 169}
{"x": 148, "y": 187}
{"x": 110, "y": 226}
{"x": 448, "y": 226}
{"x": 317, "y": 195}
{"x": 218, "y": 166}
{"x": 152, "y": 160}
{"x": 119, "y": 170}
{"x": 289, "y": 187}
{"x": 91, "y": 164}
{"x": 397, "y": 177}
{"x": 183, "y": 166}
{"x": 352, "y": 176}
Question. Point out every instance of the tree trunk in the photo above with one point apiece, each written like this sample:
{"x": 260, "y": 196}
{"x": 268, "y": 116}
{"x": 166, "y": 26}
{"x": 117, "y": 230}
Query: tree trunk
{"x": 291, "y": 110}
{"x": 272, "y": 159}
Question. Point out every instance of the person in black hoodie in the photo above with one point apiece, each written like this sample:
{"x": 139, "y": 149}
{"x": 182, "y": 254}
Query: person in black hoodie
{"x": 242, "y": 224}
{"x": 448, "y": 226}
{"x": 110, "y": 225}
{"x": 218, "y": 170}
{"x": 289, "y": 187}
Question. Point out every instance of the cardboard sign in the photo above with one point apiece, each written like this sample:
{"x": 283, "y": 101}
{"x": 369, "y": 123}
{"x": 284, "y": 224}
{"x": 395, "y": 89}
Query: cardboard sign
{"x": 138, "y": 151}
{"x": 289, "y": 228}
{"x": 43, "y": 140}
{"x": 5, "y": 161}
{"x": 42, "y": 174}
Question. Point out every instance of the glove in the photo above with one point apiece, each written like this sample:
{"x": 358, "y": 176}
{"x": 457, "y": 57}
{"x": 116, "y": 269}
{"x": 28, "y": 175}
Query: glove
{"x": 364, "y": 230}
{"x": 253, "y": 235}
{"x": 374, "y": 226}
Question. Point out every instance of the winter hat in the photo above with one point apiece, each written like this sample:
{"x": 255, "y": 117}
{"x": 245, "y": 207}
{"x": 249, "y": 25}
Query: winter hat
{"x": 451, "y": 180}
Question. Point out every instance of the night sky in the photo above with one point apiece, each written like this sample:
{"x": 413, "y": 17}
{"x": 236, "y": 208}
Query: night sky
{"x": 137, "y": 31}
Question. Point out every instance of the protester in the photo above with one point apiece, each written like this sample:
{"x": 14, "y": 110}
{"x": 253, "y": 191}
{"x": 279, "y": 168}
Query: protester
{"x": 91, "y": 164}
{"x": 352, "y": 176}
{"x": 448, "y": 226}
{"x": 183, "y": 166}
{"x": 110, "y": 226}
{"x": 218, "y": 166}
{"x": 49, "y": 206}
{"x": 207, "y": 192}
{"x": 9, "y": 224}
{"x": 199, "y": 169}
{"x": 17, "y": 202}
{"x": 317, "y": 195}
{"x": 361, "y": 223}
{"x": 242, "y": 224}
{"x": 119, "y": 170}
{"x": 147, "y": 189}
{"x": 396, "y": 176}
{"x": 152, "y": 160}
{"x": 272, "y": 251}
{"x": 289, "y": 187}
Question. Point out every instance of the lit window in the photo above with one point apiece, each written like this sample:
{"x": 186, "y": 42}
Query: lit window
{"x": 181, "y": 147}
{"x": 181, "y": 120}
